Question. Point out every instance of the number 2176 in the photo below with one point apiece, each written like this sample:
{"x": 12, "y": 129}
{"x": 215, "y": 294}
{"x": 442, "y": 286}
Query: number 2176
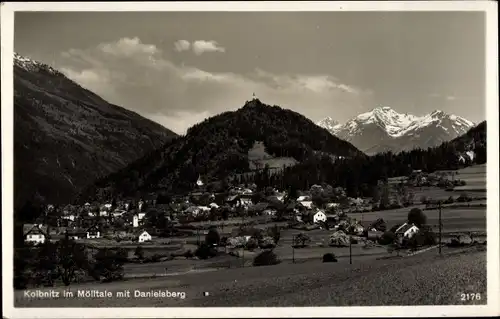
{"x": 470, "y": 297}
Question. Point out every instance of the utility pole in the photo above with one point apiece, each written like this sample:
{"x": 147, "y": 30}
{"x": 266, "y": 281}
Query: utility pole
{"x": 293, "y": 249}
{"x": 350, "y": 249}
{"x": 243, "y": 223}
{"x": 440, "y": 227}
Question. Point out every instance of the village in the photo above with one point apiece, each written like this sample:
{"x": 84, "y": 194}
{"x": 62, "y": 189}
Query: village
{"x": 243, "y": 216}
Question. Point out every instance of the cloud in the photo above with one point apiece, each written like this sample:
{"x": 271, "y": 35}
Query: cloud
{"x": 182, "y": 45}
{"x": 140, "y": 77}
{"x": 201, "y": 46}
{"x": 441, "y": 96}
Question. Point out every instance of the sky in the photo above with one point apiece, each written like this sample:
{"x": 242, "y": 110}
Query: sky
{"x": 178, "y": 68}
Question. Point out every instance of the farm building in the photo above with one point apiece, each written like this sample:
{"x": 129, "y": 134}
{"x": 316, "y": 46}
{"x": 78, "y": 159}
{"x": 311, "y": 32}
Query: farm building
{"x": 319, "y": 216}
{"x": 143, "y": 236}
{"x": 406, "y": 230}
{"x": 93, "y": 232}
{"x": 35, "y": 234}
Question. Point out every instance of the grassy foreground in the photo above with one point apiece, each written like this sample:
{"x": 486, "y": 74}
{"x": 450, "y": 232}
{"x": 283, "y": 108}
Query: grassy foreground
{"x": 425, "y": 279}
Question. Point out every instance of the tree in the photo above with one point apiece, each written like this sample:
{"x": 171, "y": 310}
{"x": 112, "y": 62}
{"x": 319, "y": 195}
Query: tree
{"x": 108, "y": 264}
{"x": 384, "y": 198}
{"x": 71, "y": 257}
{"x": 417, "y": 217}
{"x": 329, "y": 257}
{"x": 139, "y": 252}
{"x": 274, "y": 232}
{"x": 212, "y": 238}
{"x": 266, "y": 258}
{"x": 47, "y": 263}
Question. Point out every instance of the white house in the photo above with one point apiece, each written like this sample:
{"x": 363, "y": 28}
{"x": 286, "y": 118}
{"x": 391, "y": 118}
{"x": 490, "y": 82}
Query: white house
{"x": 103, "y": 213}
{"x": 143, "y": 237}
{"x": 93, "y": 232}
{"x": 34, "y": 234}
{"x": 406, "y": 230}
{"x": 319, "y": 216}
{"x": 213, "y": 205}
{"x": 269, "y": 212}
{"x": 69, "y": 217}
{"x": 245, "y": 201}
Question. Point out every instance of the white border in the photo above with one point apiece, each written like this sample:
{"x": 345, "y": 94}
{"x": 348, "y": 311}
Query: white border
{"x": 490, "y": 7}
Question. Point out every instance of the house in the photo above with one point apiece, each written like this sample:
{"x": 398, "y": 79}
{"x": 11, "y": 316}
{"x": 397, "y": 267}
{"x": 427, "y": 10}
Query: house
{"x": 374, "y": 234}
{"x": 406, "y": 230}
{"x": 118, "y": 213}
{"x": 69, "y": 217}
{"x": 306, "y": 204}
{"x": 213, "y": 205}
{"x": 319, "y": 216}
{"x": 204, "y": 208}
{"x": 76, "y": 234}
{"x": 303, "y": 198}
{"x": 245, "y": 201}
{"x": 93, "y": 232}
{"x": 36, "y": 234}
{"x": 143, "y": 236}
{"x": 269, "y": 212}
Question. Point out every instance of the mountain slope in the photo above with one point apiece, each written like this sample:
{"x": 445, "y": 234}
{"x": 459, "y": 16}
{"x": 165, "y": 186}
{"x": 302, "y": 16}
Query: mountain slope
{"x": 65, "y": 136}
{"x": 383, "y": 129}
{"x": 219, "y": 147}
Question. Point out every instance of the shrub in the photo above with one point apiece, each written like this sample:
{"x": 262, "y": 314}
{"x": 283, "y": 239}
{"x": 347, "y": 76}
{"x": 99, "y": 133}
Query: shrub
{"x": 212, "y": 238}
{"x": 449, "y": 200}
{"x": 417, "y": 217}
{"x": 139, "y": 252}
{"x": 464, "y": 197}
{"x": 353, "y": 240}
{"x": 387, "y": 238}
{"x": 109, "y": 265}
{"x": 204, "y": 251}
{"x": 301, "y": 240}
{"x": 266, "y": 258}
{"x": 329, "y": 257}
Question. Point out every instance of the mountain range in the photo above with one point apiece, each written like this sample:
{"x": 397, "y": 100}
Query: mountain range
{"x": 384, "y": 129}
{"x": 66, "y": 137}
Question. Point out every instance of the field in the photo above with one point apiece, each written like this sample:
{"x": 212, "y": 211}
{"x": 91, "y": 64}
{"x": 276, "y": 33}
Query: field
{"x": 455, "y": 220}
{"x": 376, "y": 277}
{"x": 425, "y": 279}
{"x": 258, "y": 158}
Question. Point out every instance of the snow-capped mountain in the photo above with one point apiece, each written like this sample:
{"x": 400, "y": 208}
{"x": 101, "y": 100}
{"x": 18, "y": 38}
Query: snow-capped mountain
{"x": 33, "y": 66}
{"x": 384, "y": 129}
{"x": 330, "y": 124}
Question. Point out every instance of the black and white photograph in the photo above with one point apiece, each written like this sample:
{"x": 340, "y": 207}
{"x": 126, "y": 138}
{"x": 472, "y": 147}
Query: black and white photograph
{"x": 287, "y": 155}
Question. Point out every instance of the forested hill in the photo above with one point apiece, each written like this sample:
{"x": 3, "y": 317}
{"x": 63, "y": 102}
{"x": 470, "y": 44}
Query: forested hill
{"x": 65, "y": 136}
{"x": 359, "y": 174}
{"x": 218, "y": 147}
